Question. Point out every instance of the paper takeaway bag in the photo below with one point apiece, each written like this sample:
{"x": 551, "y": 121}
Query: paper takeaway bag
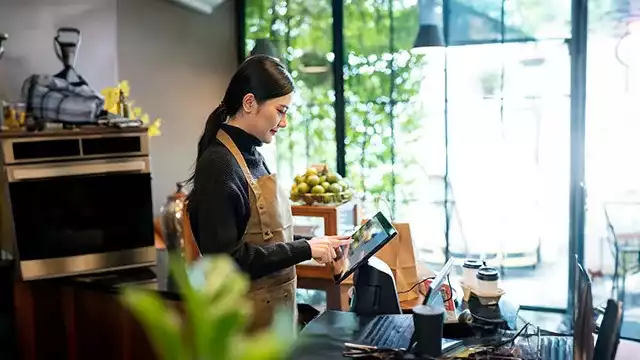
{"x": 400, "y": 256}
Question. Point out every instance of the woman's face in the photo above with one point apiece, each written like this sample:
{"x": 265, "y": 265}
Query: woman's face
{"x": 271, "y": 116}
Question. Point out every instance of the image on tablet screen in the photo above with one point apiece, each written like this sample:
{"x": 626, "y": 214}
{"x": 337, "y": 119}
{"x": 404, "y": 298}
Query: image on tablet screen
{"x": 370, "y": 235}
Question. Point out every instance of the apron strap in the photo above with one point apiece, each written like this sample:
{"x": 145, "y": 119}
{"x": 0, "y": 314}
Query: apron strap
{"x": 229, "y": 144}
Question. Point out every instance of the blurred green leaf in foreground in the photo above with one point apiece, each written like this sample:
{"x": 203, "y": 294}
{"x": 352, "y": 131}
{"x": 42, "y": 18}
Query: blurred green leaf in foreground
{"x": 216, "y": 311}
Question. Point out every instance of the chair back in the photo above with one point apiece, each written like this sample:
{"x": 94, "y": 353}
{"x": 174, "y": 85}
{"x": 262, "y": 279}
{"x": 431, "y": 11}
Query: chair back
{"x": 609, "y": 333}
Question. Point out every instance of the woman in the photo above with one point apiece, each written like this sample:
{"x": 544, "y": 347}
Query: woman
{"x": 236, "y": 206}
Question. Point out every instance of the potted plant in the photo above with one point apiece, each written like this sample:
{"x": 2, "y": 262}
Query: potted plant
{"x": 212, "y": 325}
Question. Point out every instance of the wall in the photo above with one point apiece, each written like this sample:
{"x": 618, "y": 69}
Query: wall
{"x": 32, "y": 25}
{"x": 178, "y": 63}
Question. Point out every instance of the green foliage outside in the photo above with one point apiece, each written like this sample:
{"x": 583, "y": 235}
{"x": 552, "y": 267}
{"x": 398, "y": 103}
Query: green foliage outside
{"x": 216, "y": 310}
{"x": 377, "y": 55}
{"x": 380, "y": 118}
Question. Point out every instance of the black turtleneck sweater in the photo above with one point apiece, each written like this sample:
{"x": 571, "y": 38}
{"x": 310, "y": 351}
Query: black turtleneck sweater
{"x": 219, "y": 208}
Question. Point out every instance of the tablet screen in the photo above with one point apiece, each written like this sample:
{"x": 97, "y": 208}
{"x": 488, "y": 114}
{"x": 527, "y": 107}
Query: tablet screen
{"x": 367, "y": 240}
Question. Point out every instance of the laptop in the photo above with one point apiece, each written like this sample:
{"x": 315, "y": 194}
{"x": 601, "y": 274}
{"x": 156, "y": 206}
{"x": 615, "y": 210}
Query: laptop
{"x": 581, "y": 345}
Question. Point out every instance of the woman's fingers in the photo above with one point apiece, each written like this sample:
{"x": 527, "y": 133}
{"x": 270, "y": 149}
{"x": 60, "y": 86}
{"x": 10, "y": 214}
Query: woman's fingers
{"x": 326, "y": 253}
{"x": 336, "y": 243}
{"x": 338, "y": 237}
{"x": 325, "y": 247}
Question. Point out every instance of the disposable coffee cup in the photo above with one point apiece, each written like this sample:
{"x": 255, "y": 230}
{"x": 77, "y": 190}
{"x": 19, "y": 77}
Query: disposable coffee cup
{"x": 469, "y": 270}
{"x": 487, "y": 280}
{"x": 428, "y": 322}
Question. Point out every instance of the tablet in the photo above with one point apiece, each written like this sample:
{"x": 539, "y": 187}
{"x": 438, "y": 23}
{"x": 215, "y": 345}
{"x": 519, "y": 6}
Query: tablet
{"x": 368, "y": 240}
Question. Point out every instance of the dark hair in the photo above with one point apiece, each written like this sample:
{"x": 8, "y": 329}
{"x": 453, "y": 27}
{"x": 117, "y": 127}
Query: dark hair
{"x": 261, "y": 75}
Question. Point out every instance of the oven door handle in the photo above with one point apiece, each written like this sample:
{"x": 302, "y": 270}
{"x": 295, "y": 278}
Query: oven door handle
{"x": 31, "y": 172}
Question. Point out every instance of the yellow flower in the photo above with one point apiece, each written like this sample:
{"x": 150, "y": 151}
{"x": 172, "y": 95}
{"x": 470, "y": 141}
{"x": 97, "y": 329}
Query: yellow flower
{"x": 136, "y": 112}
{"x": 154, "y": 129}
{"x": 124, "y": 86}
{"x": 111, "y": 104}
{"x": 145, "y": 119}
{"x": 111, "y": 99}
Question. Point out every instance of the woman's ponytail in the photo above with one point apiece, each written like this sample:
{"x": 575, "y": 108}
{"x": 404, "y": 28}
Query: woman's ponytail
{"x": 215, "y": 120}
{"x": 262, "y": 76}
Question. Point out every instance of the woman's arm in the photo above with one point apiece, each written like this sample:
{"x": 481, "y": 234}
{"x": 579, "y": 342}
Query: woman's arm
{"x": 220, "y": 207}
{"x": 218, "y": 233}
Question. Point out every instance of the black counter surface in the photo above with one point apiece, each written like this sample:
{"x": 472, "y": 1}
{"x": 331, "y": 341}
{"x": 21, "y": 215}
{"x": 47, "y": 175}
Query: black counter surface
{"x": 324, "y": 338}
{"x": 150, "y": 278}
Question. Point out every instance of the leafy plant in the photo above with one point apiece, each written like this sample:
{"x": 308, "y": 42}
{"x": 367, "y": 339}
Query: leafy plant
{"x": 216, "y": 311}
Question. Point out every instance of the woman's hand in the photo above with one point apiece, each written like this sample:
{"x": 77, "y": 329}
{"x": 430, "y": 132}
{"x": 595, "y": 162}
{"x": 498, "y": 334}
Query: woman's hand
{"x": 339, "y": 264}
{"x": 323, "y": 248}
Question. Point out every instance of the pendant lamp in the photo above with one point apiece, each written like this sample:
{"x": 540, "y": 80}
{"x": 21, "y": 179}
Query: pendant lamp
{"x": 265, "y": 47}
{"x": 429, "y": 33}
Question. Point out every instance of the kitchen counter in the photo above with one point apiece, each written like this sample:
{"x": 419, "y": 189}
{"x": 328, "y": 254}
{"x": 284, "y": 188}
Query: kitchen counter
{"x": 155, "y": 279}
{"x": 82, "y": 317}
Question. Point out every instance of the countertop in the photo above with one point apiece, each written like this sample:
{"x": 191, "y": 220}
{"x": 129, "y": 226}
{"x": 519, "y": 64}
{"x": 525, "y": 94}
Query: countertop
{"x": 151, "y": 278}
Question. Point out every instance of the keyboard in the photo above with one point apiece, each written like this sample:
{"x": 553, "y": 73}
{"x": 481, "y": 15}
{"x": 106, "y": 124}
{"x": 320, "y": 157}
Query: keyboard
{"x": 388, "y": 331}
{"x": 556, "y": 347}
{"x": 394, "y": 331}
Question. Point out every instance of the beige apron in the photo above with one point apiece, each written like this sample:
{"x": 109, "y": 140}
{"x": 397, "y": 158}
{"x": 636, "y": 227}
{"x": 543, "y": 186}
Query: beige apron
{"x": 270, "y": 222}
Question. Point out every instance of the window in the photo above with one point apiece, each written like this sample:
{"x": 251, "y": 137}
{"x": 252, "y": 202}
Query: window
{"x": 301, "y": 37}
{"x": 381, "y": 83}
{"x": 481, "y": 127}
{"x": 612, "y": 229}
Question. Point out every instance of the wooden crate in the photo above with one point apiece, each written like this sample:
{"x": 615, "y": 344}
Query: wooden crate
{"x": 348, "y": 212}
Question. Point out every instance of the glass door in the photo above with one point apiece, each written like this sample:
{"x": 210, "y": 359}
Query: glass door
{"x": 508, "y": 134}
{"x": 496, "y": 144}
{"x": 612, "y": 177}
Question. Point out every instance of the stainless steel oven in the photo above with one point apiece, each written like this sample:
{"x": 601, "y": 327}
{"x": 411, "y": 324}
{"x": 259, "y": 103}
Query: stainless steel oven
{"x": 77, "y": 202}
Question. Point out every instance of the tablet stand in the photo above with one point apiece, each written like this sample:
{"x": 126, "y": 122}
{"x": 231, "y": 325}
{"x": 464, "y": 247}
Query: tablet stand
{"x": 375, "y": 289}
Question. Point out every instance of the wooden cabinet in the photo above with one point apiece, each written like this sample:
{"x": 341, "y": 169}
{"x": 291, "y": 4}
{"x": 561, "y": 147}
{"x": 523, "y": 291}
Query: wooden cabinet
{"x": 68, "y": 322}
